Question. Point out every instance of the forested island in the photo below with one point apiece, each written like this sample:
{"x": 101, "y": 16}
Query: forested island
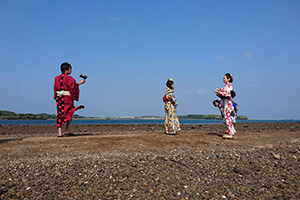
{"x": 29, "y": 116}
{"x": 192, "y": 116}
{"x": 8, "y": 115}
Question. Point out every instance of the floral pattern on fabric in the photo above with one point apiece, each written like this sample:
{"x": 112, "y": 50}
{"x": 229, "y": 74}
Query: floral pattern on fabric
{"x": 172, "y": 124}
{"x": 225, "y": 94}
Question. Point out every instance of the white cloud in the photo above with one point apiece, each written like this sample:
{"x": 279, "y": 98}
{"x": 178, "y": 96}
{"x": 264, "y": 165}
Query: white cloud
{"x": 201, "y": 92}
{"x": 111, "y": 17}
{"x": 248, "y": 55}
{"x": 220, "y": 57}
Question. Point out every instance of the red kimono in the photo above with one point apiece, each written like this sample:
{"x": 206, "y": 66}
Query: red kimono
{"x": 65, "y": 103}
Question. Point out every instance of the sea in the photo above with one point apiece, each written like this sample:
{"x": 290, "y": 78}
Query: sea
{"x": 133, "y": 121}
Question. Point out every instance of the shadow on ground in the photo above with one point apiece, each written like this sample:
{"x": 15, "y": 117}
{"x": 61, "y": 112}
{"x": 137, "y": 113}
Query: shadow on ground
{"x": 78, "y": 135}
{"x": 8, "y": 140}
{"x": 216, "y": 134}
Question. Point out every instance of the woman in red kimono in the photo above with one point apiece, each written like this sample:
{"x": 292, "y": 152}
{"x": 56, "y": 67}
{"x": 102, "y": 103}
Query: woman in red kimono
{"x": 225, "y": 94}
{"x": 66, "y": 90}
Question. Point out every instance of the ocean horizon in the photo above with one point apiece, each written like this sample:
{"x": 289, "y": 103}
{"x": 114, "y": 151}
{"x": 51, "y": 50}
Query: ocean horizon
{"x": 136, "y": 121}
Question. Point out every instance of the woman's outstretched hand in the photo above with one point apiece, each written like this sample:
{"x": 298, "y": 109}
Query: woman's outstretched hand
{"x": 81, "y": 82}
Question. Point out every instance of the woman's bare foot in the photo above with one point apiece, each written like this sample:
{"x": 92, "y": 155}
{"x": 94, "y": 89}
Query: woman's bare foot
{"x": 228, "y": 137}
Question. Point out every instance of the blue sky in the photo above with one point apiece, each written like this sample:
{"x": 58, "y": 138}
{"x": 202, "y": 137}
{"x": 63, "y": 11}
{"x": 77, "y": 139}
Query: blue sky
{"x": 129, "y": 49}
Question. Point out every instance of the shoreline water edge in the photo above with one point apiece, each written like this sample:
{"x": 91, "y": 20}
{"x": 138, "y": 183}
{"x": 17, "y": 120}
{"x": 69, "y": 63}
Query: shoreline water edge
{"x": 136, "y": 121}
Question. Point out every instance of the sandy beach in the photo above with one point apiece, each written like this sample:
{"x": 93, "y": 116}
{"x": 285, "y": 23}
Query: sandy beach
{"x": 140, "y": 162}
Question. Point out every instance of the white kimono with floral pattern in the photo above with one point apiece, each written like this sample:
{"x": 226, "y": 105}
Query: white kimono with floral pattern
{"x": 172, "y": 124}
{"x": 225, "y": 95}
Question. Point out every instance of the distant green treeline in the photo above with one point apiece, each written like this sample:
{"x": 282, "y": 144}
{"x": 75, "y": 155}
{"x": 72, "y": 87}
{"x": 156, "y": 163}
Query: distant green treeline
{"x": 207, "y": 117}
{"x": 44, "y": 116}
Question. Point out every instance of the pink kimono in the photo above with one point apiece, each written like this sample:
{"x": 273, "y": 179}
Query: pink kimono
{"x": 225, "y": 95}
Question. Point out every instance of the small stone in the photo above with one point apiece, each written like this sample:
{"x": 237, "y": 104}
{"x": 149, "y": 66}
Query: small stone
{"x": 141, "y": 169}
{"x": 230, "y": 194}
{"x": 108, "y": 194}
{"x": 293, "y": 151}
{"x": 239, "y": 170}
{"x": 281, "y": 185}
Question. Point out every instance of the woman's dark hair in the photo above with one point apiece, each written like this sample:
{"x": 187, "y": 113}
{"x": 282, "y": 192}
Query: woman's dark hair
{"x": 65, "y": 67}
{"x": 229, "y": 76}
{"x": 170, "y": 83}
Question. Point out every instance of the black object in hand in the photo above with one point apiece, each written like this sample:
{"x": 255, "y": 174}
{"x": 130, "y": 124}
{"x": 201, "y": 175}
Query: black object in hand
{"x": 83, "y": 76}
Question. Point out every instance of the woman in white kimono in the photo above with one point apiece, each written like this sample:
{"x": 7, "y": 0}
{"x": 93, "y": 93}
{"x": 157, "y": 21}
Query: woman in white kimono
{"x": 171, "y": 120}
{"x": 225, "y": 94}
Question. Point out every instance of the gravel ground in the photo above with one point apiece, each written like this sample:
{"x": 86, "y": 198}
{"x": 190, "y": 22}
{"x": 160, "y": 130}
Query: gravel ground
{"x": 46, "y": 130}
{"x": 221, "y": 169}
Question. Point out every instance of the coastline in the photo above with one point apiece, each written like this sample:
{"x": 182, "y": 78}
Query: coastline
{"x": 132, "y": 121}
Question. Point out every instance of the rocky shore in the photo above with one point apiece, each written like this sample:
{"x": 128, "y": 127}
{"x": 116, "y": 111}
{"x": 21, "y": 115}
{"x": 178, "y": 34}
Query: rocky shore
{"x": 44, "y": 130}
{"x": 139, "y": 162}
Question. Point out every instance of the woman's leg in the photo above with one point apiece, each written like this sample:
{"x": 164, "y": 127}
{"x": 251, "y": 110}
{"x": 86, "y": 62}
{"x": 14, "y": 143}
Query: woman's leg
{"x": 169, "y": 120}
{"x": 230, "y": 126}
{"x": 67, "y": 130}
{"x": 229, "y": 119}
{"x": 176, "y": 124}
{"x": 167, "y": 116}
{"x": 172, "y": 122}
{"x": 59, "y": 132}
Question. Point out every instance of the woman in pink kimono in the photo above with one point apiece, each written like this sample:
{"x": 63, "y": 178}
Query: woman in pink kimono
{"x": 225, "y": 94}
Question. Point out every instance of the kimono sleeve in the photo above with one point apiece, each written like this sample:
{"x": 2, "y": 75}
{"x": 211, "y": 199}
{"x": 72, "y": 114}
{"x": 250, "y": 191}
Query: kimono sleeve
{"x": 170, "y": 96}
{"x": 55, "y": 87}
{"x": 224, "y": 92}
{"x": 74, "y": 89}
